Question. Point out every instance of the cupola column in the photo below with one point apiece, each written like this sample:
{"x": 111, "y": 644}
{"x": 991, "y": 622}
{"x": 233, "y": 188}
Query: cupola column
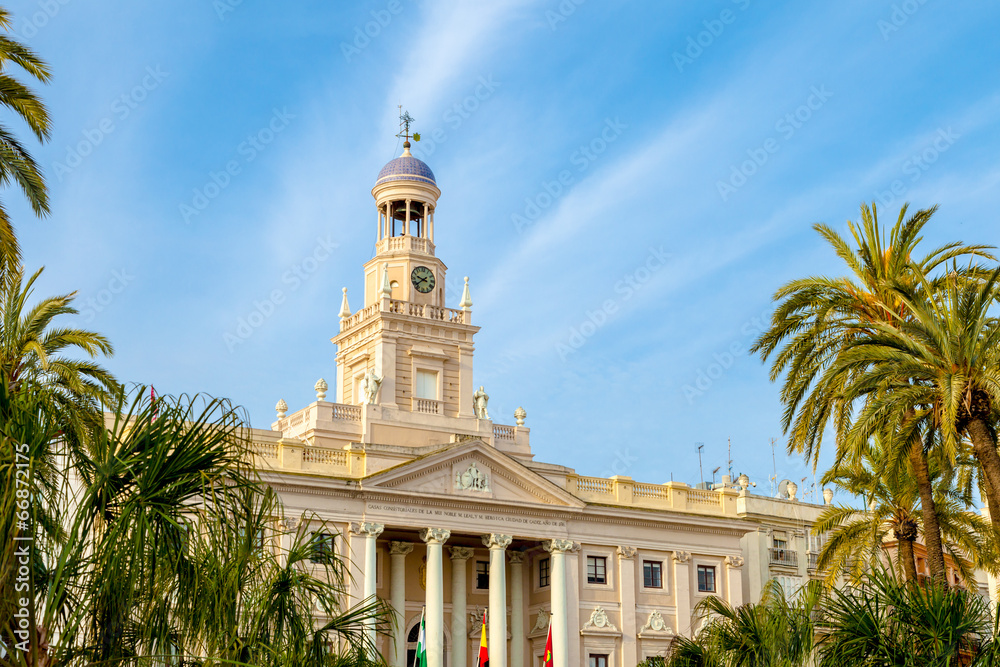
{"x": 429, "y": 212}
{"x": 407, "y": 228}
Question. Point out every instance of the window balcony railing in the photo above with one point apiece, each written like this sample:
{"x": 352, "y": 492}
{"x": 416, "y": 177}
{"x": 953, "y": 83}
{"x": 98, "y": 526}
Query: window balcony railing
{"x": 784, "y": 557}
{"x": 813, "y": 560}
{"x": 427, "y": 406}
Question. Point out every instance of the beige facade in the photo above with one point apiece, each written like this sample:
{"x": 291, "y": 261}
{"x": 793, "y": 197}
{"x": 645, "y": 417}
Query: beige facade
{"x": 439, "y": 508}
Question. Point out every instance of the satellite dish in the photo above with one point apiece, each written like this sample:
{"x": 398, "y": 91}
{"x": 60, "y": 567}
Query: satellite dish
{"x": 783, "y": 488}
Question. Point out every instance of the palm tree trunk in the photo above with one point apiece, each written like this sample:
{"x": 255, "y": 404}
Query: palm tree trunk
{"x": 928, "y": 510}
{"x": 984, "y": 447}
{"x": 907, "y": 560}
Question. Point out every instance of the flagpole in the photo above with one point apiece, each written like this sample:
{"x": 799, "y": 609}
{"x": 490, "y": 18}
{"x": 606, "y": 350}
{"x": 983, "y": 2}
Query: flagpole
{"x": 420, "y": 638}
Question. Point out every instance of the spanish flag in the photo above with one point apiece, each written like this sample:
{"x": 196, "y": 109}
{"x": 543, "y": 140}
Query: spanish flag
{"x": 484, "y": 654}
{"x": 547, "y": 660}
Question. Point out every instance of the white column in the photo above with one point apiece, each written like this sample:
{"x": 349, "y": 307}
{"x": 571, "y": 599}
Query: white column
{"x": 370, "y": 531}
{"x": 459, "y": 614}
{"x": 498, "y": 597}
{"x": 627, "y": 584}
{"x": 397, "y": 593}
{"x": 516, "y": 608}
{"x": 560, "y": 611}
{"x": 434, "y": 615}
{"x": 407, "y": 228}
{"x": 430, "y": 223}
{"x": 682, "y": 591}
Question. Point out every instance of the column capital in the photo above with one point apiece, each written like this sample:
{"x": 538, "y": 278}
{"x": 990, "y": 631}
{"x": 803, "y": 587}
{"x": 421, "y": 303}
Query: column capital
{"x": 497, "y": 541}
{"x": 367, "y": 528}
{"x": 560, "y": 546}
{"x": 435, "y": 535}
{"x": 462, "y": 553}
{"x": 626, "y": 553}
{"x": 515, "y": 557}
{"x": 734, "y": 561}
{"x": 682, "y": 556}
{"x": 400, "y": 548}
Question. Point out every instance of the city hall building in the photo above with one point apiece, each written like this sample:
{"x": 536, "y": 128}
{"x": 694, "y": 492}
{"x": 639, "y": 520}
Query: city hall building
{"x": 438, "y": 507}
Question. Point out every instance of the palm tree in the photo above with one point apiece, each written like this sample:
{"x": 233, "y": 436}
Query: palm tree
{"x": 173, "y": 551}
{"x": 938, "y": 364}
{"x": 857, "y": 538}
{"x": 885, "y": 622}
{"x": 818, "y": 319}
{"x": 33, "y": 353}
{"x": 16, "y": 163}
{"x": 775, "y": 632}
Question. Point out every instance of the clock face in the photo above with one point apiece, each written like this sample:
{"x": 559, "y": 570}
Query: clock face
{"x": 422, "y": 279}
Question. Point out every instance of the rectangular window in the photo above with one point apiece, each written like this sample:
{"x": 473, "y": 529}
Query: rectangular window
{"x": 598, "y": 660}
{"x": 427, "y": 385}
{"x": 597, "y": 572}
{"x": 322, "y": 545}
{"x": 543, "y": 573}
{"x": 706, "y": 579}
{"x": 779, "y": 543}
{"x": 652, "y": 574}
{"x": 482, "y": 575}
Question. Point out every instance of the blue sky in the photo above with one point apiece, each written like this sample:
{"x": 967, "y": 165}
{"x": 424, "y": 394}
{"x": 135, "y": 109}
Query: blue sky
{"x": 625, "y": 184}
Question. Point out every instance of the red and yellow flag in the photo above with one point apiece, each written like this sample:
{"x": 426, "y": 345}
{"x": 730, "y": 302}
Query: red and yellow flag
{"x": 484, "y": 655}
{"x": 547, "y": 660}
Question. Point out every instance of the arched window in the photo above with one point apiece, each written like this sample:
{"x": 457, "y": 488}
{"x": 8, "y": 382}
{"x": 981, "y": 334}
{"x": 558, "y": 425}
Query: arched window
{"x": 411, "y": 645}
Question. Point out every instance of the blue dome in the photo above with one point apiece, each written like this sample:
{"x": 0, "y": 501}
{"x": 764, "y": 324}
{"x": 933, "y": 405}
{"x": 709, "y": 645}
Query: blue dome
{"x": 406, "y": 168}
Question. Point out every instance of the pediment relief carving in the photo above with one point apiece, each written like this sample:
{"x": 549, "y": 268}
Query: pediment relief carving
{"x": 474, "y": 470}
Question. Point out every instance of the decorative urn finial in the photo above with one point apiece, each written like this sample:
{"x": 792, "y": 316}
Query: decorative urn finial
{"x": 743, "y": 481}
{"x": 320, "y": 388}
{"x": 466, "y": 302}
{"x": 827, "y": 496}
{"x": 281, "y": 408}
{"x": 345, "y": 308}
{"x": 386, "y": 285}
{"x": 519, "y": 416}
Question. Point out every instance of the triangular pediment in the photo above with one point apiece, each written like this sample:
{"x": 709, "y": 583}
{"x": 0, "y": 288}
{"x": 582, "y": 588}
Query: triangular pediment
{"x": 475, "y": 471}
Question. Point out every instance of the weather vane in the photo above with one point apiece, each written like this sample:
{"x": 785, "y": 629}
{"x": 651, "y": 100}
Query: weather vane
{"x": 404, "y": 126}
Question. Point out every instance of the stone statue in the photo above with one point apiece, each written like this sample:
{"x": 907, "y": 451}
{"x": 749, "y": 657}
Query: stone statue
{"x": 372, "y": 384}
{"x": 479, "y": 401}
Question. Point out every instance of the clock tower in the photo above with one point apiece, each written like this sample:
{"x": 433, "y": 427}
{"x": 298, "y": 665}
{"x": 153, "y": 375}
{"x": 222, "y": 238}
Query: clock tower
{"x": 404, "y": 333}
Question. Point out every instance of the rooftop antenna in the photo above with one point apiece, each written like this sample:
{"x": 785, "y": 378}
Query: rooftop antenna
{"x": 774, "y": 464}
{"x": 701, "y": 473}
{"x": 730, "y": 440}
{"x": 717, "y": 469}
